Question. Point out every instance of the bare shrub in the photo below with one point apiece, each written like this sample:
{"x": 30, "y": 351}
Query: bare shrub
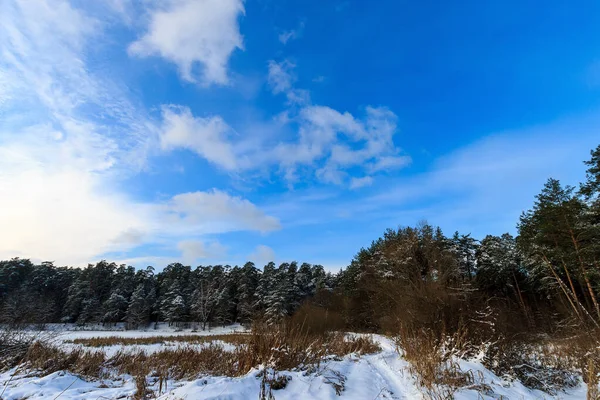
{"x": 141, "y": 388}
{"x": 432, "y": 364}
{"x": 13, "y": 347}
{"x": 529, "y": 364}
{"x": 548, "y": 363}
{"x": 290, "y": 346}
{"x": 317, "y": 320}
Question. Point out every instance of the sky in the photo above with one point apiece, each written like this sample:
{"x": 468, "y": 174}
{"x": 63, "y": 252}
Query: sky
{"x": 221, "y": 131}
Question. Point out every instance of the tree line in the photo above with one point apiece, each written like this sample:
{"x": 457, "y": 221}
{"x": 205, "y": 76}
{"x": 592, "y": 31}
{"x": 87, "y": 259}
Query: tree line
{"x": 109, "y": 293}
{"x": 546, "y": 277}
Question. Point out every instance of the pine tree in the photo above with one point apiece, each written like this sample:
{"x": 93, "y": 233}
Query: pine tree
{"x": 173, "y": 306}
{"x": 500, "y": 269}
{"x": 115, "y": 308}
{"x": 304, "y": 282}
{"x": 266, "y": 284}
{"x": 556, "y": 240}
{"x": 138, "y": 311}
{"x": 78, "y": 293}
{"x": 210, "y": 291}
{"x": 591, "y": 187}
{"x": 277, "y": 300}
{"x": 247, "y": 291}
{"x": 465, "y": 247}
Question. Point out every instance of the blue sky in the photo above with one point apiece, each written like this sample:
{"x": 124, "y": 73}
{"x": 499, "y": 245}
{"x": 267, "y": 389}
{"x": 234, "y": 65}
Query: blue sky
{"x": 220, "y": 131}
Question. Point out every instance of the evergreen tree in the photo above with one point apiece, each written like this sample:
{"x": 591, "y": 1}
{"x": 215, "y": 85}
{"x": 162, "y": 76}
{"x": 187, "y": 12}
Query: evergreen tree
{"x": 557, "y": 242}
{"x": 276, "y": 301}
{"x": 209, "y": 293}
{"x": 139, "y": 308}
{"x": 500, "y": 270}
{"x": 247, "y": 292}
{"x": 465, "y": 247}
{"x": 174, "y": 308}
{"x": 115, "y": 308}
{"x": 266, "y": 284}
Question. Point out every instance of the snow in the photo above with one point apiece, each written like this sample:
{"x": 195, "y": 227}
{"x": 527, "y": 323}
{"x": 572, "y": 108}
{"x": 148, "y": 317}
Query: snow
{"x": 63, "y": 334}
{"x": 160, "y": 329}
{"x": 384, "y": 375}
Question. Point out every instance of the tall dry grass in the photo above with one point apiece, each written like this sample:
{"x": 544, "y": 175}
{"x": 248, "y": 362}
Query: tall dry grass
{"x": 233, "y": 338}
{"x": 288, "y": 346}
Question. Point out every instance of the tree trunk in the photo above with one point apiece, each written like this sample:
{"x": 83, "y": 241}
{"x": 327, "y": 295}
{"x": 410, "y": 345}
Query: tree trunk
{"x": 521, "y": 297}
{"x": 584, "y": 273}
{"x": 562, "y": 286}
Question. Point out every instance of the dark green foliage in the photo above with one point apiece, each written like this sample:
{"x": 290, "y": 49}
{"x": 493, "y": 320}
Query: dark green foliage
{"x": 109, "y": 294}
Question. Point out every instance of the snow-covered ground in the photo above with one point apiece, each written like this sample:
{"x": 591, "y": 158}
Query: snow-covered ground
{"x": 71, "y": 331}
{"x": 384, "y": 375}
{"x": 64, "y": 334}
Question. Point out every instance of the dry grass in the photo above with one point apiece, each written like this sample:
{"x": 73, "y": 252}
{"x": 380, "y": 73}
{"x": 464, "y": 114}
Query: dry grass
{"x": 550, "y": 364}
{"x": 233, "y": 338}
{"x": 286, "y": 347}
{"x": 13, "y": 347}
{"x": 432, "y": 364}
{"x": 291, "y": 346}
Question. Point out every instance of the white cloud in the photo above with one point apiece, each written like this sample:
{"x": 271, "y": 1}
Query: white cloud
{"x": 280, "y": 76}
{"x": 298, "y": 97}
{"x": 287, "y": 35}
{"x": 56, "y": 165}
{"x": 262, "y": 255}
{"x": 281, "y": 79}
{"x": 206, "y": 136}
{"x": 216, "y": 211}
{"x": 191, "y": 33}
{"x": 337, "y": 141}
{"x": 194, "y": 250}
{"x": 356, "y": 183}
{"x": 327, "y": 143}
{"x": 6, "y": 87}
{"x": 292, "y": 34}
{"x": 63, "y": 216}
{"x": 71, "y": 136}
{"x": 483, "y": 187}
{"x": 389, "y": 163}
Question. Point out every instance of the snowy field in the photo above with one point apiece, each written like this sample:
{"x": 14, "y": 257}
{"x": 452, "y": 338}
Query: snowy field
{"x": 383, "y": 375}
{"x": 64, "y": 336}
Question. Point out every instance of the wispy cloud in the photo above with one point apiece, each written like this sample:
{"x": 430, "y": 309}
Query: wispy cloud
{"x": 262, "y": 255}
{"x": 216, "y": 211}
{"x": 339, "y": 141}
{"x": 356, "y": 183}
{"x": 193, "y": 33}
{"x": 482, "y": 186}
{"x": 326, "y": 145}
{"x": 69, "y": 138}
{"x": 292, "y": 34}
{"x": 194, "y": 250}
{"x": 281, "y": 79}
{"x": 56, "y": 163}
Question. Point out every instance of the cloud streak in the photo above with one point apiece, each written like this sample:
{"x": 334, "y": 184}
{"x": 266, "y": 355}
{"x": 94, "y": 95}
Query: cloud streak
{"x": 71, "y": 136}
{"x": 292, "y": 34}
